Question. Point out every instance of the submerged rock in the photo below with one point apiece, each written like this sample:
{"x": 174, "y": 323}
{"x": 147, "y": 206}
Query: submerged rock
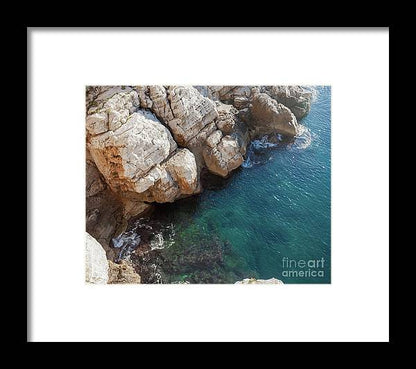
{"x": 259, "y": 281}
{"x": 96, "y": 265}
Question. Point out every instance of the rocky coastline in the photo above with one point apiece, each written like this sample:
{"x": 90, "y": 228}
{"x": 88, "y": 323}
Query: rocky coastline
{"x": 156, "y": 144}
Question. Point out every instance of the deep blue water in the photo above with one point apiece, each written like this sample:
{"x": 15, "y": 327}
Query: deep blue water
{"x": 276, "y": 206}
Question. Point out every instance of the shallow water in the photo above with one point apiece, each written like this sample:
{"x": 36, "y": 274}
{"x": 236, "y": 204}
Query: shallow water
{"x": 276, "y": 206}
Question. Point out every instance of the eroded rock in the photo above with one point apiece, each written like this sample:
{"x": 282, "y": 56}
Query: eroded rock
{"x": 104, "y": 211}
{"x": 129, "y": 153}
{"x": 238, "y": 96}
{"x": 191, "y": 111}
{"x": 122, "y": 273}
{"x": 178, "y": 176}
{"x": 222, "y": 154}
{"x": 269, "y": 116}
{"x": 297, "y": 99}
{"x": 134, "y": 133}
{"x": 227, "y": 118}
{"x": 96, "y": 266}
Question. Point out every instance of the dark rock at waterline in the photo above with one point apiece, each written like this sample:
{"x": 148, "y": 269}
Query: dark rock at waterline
{"x": 147, "y": 263}
{"x": 196, "y": 262}
{"x": 107, "y": 215}
{"x": 104, "y": 211}
{"x": 211, "y": 181}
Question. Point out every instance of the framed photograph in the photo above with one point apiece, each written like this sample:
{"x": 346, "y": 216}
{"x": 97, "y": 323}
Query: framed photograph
{"x": 209, "y": 195}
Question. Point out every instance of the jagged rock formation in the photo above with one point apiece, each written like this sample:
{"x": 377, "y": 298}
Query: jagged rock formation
{"x": 186, "y": 112}
{"x": 122, "y": 273}
{"x": 297, "y": 99}
{"x": 222, "y": 154}
{"x": 136, "y": 153}
{"x": 259, "y": 281}
{"x": 227, "y": 118}
{"x": 269, "y": 116}
{"x": 173, "y": 179}
{"x": 149, "y": 144}
{"x": 106, "y": 212}
{"x": 238, "y": 96}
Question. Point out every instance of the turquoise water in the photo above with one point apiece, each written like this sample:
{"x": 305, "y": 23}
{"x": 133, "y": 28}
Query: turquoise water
{"x": 276, "y": 206}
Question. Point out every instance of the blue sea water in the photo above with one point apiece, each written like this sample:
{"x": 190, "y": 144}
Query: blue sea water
{"x": 271, "y": 219}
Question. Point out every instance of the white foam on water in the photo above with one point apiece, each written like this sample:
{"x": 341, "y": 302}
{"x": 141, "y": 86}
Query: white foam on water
{"x": 303, "y": 139}
{"x": 127, "y": 238}
{"x": 263, "y": 143}
{"x": 157, "y": 243}
{"x": 313, "y": 90}
{"x": 260, "y": 144}
{"x": 247, "y": 163}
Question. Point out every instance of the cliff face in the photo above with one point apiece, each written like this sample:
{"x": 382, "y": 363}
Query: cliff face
{"x": 148, "y": 144}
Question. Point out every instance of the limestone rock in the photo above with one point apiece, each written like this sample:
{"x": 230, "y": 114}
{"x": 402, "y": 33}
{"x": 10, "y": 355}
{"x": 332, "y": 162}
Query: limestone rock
{"x": 182, "y": 108}
{"x": 122, "y": 273}
{"x": 227, "y": 94}
{"x": 182, "y": 168}
{"x": 136, "y": 154}
{"x": 197, "y": 143}
{"x": 96, "y": 265}
{"x": 106, "y": 213}
{"x": 97, "y": 123}
{"x": 131, "y": 152}
{"x": 192, "y": 117}
{"x": 160, "y": 103}
{"x": 178, "y": 176}
{"x": 211, "y": 92}
{"x": 259, "y": 281}
{"x": 238, "y": 96}
{"x": 269, "y": 116}
{"x": 94, "y": 182}
{"x": 297, "y": 99}
{"x": 96, "y": 96}
{"x": 133, "y": 133}
{"x": 222, "y": 154}
{"x": 226, "y": 120}
{"x": 143, "y": 93}
{"x": 221, "y": 158}
{"x": 214, "y": 139}
{"x": 115, "y": 99}
{"x": 191, "y": 111}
